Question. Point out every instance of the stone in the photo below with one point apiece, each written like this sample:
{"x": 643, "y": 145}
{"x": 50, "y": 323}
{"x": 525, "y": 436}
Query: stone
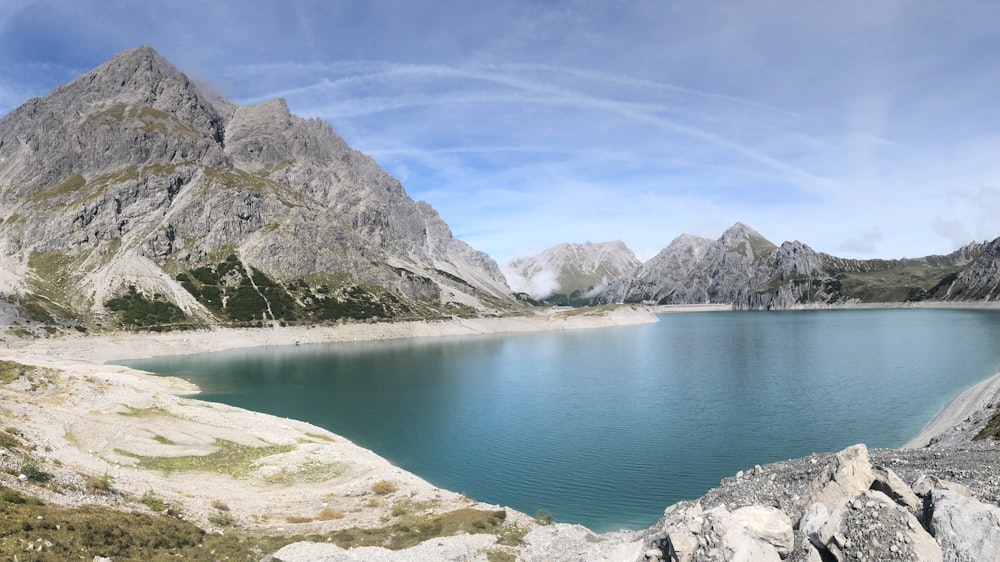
{"x": 849, "y": 474}
{"x": 813, "y": 521}
{"x": 768, "y": 525}
{"x": 966, "y": 529}
{"x": 927, "y": 483}
{"x": 887, "y": 482}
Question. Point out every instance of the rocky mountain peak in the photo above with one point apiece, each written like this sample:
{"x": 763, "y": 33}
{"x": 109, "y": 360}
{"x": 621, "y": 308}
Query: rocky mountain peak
{"x": 133, "y": 175}
{"x": 741, "y": 237}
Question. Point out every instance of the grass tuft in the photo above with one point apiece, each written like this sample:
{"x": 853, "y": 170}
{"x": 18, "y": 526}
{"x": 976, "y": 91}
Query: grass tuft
{"x": 383, "y": 487}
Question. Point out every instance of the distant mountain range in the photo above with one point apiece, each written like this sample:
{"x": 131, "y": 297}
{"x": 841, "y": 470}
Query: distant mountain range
{"x": 745, "y": 269}
{"x": 132, "y": 197}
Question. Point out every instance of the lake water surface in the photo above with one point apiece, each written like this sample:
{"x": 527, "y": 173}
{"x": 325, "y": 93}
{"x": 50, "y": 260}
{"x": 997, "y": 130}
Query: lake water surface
{"x": 607, "y": 427}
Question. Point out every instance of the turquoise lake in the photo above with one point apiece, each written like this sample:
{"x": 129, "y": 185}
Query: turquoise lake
{"x": 607, "y": 427}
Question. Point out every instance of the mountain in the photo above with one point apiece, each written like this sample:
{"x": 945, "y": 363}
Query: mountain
{"x": 571, "y": 273}
{"x": 745, "y": 269}
{"x": 131, "y": 192}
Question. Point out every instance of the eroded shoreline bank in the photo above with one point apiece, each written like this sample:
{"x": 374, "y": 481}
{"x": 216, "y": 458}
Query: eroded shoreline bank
{"x": 117, "y": 346}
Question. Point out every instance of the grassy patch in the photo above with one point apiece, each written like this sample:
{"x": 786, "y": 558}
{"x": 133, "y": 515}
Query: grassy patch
{"x": 309, "y": 472}
{"x": 590, "y": 311}
{"x": 143, "y": 412}
{"x": 906, "y": 281}
{"x": 12, "y": 370}
{"x": 9, "y": 440}
{"x": 411, "y": 531}
{"x": 992, "y": 429}
{"x": 163, "y": 440}
{"x": 229, "y": 458}
{"x": 222, "y": 519}
{"x": 54, "y": 285}
{"x": 500, "y": 555}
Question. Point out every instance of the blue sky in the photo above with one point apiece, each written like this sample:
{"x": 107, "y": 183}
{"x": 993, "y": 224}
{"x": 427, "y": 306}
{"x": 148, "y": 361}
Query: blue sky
{"x": 862, "y": 128}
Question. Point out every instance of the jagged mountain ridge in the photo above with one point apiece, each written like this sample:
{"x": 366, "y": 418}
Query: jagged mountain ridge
{"x": 569, "y": 273}
{"x": 131, "y": 174}
{"x": 746, "y": 270}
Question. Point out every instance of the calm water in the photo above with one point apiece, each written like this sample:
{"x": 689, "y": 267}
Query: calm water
{"x": 607, "y": 427}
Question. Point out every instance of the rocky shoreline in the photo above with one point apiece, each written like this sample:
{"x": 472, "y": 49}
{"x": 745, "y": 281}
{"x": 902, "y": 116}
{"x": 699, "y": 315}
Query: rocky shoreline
{"x": 935, "y": 500}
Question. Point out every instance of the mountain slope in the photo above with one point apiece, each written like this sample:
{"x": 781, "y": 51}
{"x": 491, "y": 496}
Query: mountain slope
{"x": 132, "y": 176}
{"x": 572, "y": 273}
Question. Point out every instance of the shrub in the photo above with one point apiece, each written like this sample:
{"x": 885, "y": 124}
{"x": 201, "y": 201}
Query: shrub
{"x": 383, "y": 487}
{"x": 328, "y": 514}
{"x": 222, "y": 519}
{"x": 152, "y": 501}
{"x": 220, "y": 505}
{"x": 544, "y": 517}
{"x": 100, "y": 484}
{"x": 295, "y": 519}
{"x": 30, "y": 469}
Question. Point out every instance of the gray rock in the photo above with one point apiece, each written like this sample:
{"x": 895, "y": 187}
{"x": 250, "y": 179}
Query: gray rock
{"x": 887, "y": 482}
{"x": 768, "y": 525}
{"x": 967, "y": 529}
{"x": 927, "y": 483}
{"x": 848, "y": 475}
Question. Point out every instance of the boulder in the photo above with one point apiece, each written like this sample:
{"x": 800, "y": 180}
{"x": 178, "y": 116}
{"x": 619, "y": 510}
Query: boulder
{"x": 768, "y": 525}
{"x": 926, "y": 483}
{"x": 848, "y": 475}
{"x": 967, "y": 529}
{"x": 887, "y": 482}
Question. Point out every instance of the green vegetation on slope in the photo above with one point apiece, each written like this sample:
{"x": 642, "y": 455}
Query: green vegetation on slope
{"x": 157, "y": 314}
{"x": 57, "y": 534}
{"x": 906, "y": 282}
{"x": 992, "y": 429}
{"x": 245, "y": 295}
